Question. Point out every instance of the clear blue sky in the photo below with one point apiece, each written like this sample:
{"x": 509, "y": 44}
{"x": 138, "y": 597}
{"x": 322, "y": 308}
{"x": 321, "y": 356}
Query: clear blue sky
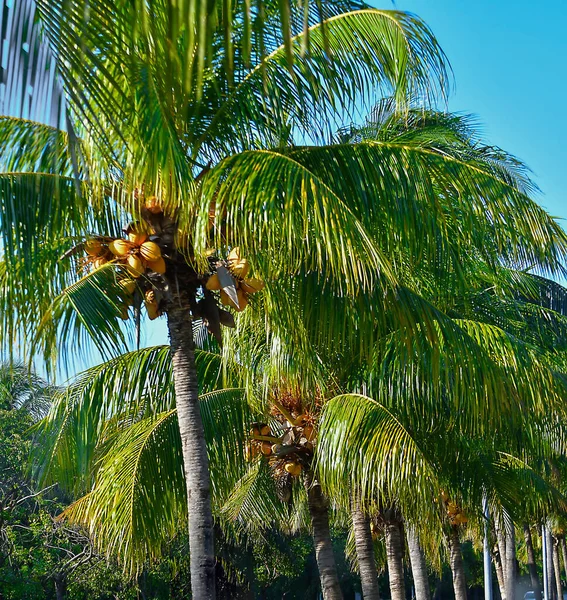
{"x": 510, "y": 64}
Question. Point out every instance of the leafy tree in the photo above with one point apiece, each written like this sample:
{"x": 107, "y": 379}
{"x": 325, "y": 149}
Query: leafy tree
{"x": 152, "y": 124}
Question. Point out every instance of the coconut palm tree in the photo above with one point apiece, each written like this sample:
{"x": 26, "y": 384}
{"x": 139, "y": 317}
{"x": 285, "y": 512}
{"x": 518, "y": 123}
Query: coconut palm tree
{"x": 144, "y": 101}
{"x": 342, "y": 309}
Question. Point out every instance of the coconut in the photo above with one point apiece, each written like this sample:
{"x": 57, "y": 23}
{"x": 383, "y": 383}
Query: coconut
{"x": 150, "y": 251}
{"x": 120, "y": 248}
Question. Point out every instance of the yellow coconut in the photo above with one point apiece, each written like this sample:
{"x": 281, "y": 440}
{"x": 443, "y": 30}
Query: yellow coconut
{"x": 294, "y": 469}
{"x": 265, "y": 430}
{"x": 135, "y": 266}
{"x": 226, "y": 300}
{"x": 150, "y": 251}
{"x": 240, "y": 268}
{"x": 99, "y": 262}
{"x": 242, "y": 300}
{"x": 93, "y": 248}
{"x": 137, "y": 237}
{"x": 213, "y": 283}
{"x": 309, "y": 432}
{"x": 120, "y": 248}
{"x": 266, "y": 448}
{"x": 157, "y": 266}
{"x": 128, "y": 285}
{"x": 152, "y": 309}
{"x": 251, "y": 286}
{"x": 233, "y": 255}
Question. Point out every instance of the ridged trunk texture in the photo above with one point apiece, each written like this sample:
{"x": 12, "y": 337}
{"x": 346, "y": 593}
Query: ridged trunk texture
{"x": 319, "y": 512}
{"x": 394, "y": 554}
{"x": 499, "y": 529}
{"x": 456, "y": 561}
{"x": 552, "y": 589}
{"x": 365, "y": 553}
{"x": 564, "y": 552}
{"x": 499, "y": 572}
{"x": 557, "y": 568}
{"x": 418, "y": 565}
{"x": 532, "y": 565}
{"x": 510, "y": 562}
{"x": 195, "y": 460}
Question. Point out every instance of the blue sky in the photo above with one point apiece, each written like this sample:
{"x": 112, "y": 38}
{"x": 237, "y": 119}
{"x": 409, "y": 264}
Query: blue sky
{"x": 510, "y": 64}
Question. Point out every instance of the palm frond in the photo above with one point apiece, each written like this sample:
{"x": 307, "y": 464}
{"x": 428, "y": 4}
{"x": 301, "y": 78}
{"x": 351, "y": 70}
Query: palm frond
{"x": 362, "y": 445}
{"x": 128, "y": 387}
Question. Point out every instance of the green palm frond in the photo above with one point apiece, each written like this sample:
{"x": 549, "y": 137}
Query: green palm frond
{"x": 28, "y": 73}
{"x": 128, "y": 387}
{"x": 369, "y": 49}
{"x": 451, "y": 204}
{"x": 363, "y": 445}
{"x": 138, "y": 501}
{"x": 21, "y": 389}
{"x": 272, "y": 203}
{"x": 516, "y": 482}
{"x": 86, "y": 313}
{"x": 254, "y": 505}
{"x": 28, "y": 146}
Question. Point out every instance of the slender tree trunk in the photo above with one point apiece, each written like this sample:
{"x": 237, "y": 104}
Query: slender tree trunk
{"x": 557, "y": 568}
{"x": 499, "y": 572}
{"x": 395, "y": 555}
{"x": 319, "y": 511}
{"x": 457, "y": 568}
{"x": 195, "y": 460}
{"x": 532, "y": 565}
{"x": 365, "y": 552}
{"x": 552, "y": 588}
{"x": 501, "y": 543}
{"x": 564, "y": 552}
{"x": 510, "y": 561}
{"x": 60, "y": 588}
{"x": 418, "y": 565}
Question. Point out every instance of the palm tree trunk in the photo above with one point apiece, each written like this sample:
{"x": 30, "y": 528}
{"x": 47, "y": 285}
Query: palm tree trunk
{"x": 557, "y": 568}
{"x": 532, "y": 565}
{"x": 510, "y": 562}
{"x": 501, "y": 544}
{"x": 552, "y": 589}
{"x": 418, "y": 565}
{"x": 457, "y": 568}
{"x": 499, "y": 572}
{"x": 564, "y": 553}
{"x": 395, "y": 555}
{"x": 319, "y": 511}
{"x": 195, "y": 460}
{"x": 365, "y": 552}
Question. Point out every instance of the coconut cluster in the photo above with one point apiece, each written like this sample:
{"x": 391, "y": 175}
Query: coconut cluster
{"x": 454, "y": 511}
{"x": 238, "y": 268}
{"x": 153, "y": 248}
{"x": 139, "y": 256}
{"x": 289, "y": 448}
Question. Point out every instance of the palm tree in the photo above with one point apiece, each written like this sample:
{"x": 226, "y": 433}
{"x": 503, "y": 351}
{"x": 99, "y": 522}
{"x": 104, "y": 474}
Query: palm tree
{"x": 146, "y": 129}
